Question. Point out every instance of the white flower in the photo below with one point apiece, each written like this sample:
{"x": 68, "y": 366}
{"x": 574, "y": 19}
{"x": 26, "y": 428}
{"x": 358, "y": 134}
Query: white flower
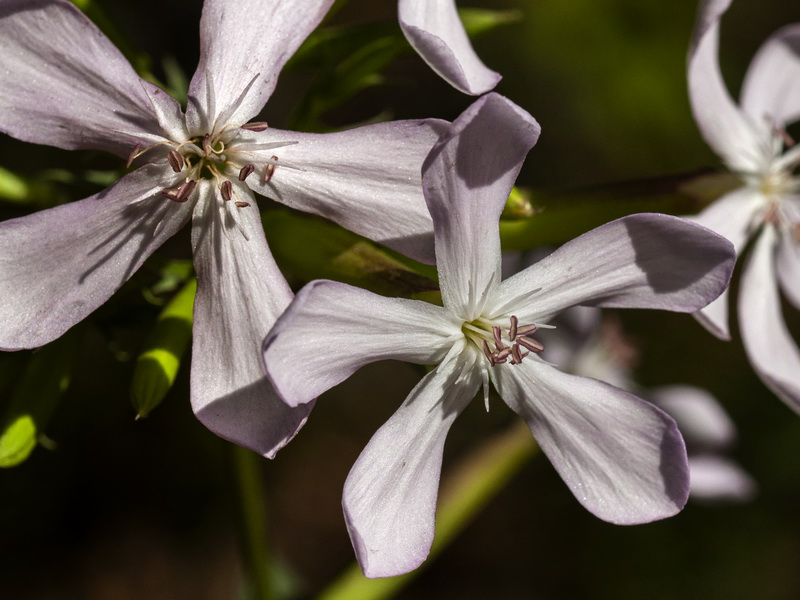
{"x": 751, "y": 138}
{"x": 64, "y": 84}
{"x": 623, "y": 458}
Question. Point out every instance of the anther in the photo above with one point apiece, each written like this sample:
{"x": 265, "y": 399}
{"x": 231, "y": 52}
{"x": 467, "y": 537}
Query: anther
{"x": 207, "y": 143}
{"x": 530, "y": 344}
{"x": 185, "y": 190}
{"x": 175, "y": 160}
{"x": 255, "y": 126}
{"x": 498, "y": 339}
{"x": 226, "y": 188}
{"x": 134, "y": 153}
{"x": 269, "y": 170}
{"x": 488, "y": 352}
{"x": 526, "y": 330}
{"x": 516, "y": 355}
{"x": 246, "y": 171}
{"x": 242, "y": 204}
{"x": 512, "y": 332}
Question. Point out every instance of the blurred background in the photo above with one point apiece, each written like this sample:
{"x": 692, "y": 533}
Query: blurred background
{"x": 111, "y": 507}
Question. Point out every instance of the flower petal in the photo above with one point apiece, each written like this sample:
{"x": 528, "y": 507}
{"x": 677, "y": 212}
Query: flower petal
{"x": 701, "y": 419}
{"x": 243, "y": 47}
{"x": 240, "y": 293}
{"x": 332, "y": 329}
{"x": 390, "y": 494}
{"x": 436, "y": 33}
{"x": 734, "y": 217}
{"x": 59, "y": 265}
{"x": 365, "y": 179}
{"x": 788, "y": 267}
{"x": 771, "y": 89}
{"x": 716, "y": 478}
{"x": 723, "y": 125}
{"x": 66, "y": 85}
{"x": 623, "y": 458}
{"x": 466, "y": 179}
{"x": 771, "y": 349}
{"x": 640, "y": 261}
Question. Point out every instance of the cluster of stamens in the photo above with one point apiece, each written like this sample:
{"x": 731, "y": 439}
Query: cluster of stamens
{"x": 209, "y": 157}
{"x": 503, "y": 344}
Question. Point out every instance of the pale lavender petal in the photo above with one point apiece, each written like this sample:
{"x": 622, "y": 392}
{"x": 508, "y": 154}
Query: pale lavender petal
{"x": 640, "y": 261}
{"x": 770, "y": 347}
{"x": 332, "y": 329}
{"x": 623, "y": 458}
{"x": 66, "y": 85}
{"x": 734, "y": 216}
{"x": 717, "y": 479}
{"x": 771, "y": 89}
{"x": 243, "y": 47}
{"x": 436, "y": 33}
{"x": 701, "y": 419}
{"x": 240, "y": 293}
{"x": 59, "y": 265}
{"x": 365, "y": 179}
{"x": 390, "y": 495}
{"x": 788, "y": 266}
{"x": 723, "y": 125}
{"x": 466, "y": 179}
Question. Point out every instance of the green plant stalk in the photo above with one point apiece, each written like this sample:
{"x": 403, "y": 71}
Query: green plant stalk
{"x": 253, "y": 519}
{"x": 475, "y": 481}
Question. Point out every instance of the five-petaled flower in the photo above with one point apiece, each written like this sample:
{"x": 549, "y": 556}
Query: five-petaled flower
{"x": 64, "y": 84}
{"x": 623, "y": 458}
{"x": 751, "y": 138}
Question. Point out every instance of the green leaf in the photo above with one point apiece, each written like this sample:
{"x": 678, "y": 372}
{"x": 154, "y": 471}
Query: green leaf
{"x": 307, "y": 248}
{"x": 158, "y": 364}
{"x": 35, "y": 397}
{"x": 478, "y": 21}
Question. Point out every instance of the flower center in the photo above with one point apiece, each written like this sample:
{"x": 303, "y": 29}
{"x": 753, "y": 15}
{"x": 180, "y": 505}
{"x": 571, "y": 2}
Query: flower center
{"x": 502, "y": 343}
{"x": 211, "y": 157}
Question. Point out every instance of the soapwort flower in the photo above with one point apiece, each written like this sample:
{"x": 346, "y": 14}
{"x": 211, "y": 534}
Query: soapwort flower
{"x": 64, "y": 84}
{"x": 751, "y": 139}
{"x": 437, "y": 34}
{"x": 622, "y": 458}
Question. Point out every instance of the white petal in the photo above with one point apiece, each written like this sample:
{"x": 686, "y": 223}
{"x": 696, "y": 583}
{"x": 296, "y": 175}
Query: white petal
{"x": 725, "y": 128}
{"x": 435, "y": 31}
{"x": 771, "y": 349}
{"x": 59, "y": 265}
{"x": 240, "y": 293}
{"x": 466, "y": 179}
{"x": 623, "y": 458}
{"x": 390, "y": 495}
{"x": 332, "y": 329}
{"x": 771, "y": 89}
{"x": 701, "y": 419}
{"x": 243, "y": 47}
{"x": 734, "y": 217}
{"x": 640, "y": 261}
{"x": 365, "y": 179}
{"x": 718, "y": 479}
{"x": 788, "y": 266}
{"x": 66, "y": 85}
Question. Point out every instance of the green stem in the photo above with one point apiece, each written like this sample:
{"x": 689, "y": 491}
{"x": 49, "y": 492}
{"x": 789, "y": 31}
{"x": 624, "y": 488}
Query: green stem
{"x": 253, "y": 522}
{"x": 475, "y": 481}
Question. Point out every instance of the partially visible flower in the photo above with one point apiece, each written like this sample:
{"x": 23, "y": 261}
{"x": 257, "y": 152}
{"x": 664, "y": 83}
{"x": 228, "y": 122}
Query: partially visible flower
{"x": 435, "y": 31}
{"x": 751, "y": 139}
{"x": 623, "y": 458}
{"x": 64, "y": 84}
{"x": 585, "y": 344}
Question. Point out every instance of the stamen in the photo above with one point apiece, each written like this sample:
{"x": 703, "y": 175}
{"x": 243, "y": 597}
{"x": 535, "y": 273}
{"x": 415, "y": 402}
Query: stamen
{"x": 207, "y": 144}
{"x": 227, "y": 190}
{"x": 246, "y": 171}
{"x": 242, "y": 204}
{"x": 516, "y": 355}
{"x": 512, "y": 332}
{"x": 498, "y": 340}
{"x": 255, "y": 126}
{"x": 502, "y": 355}
{"x": 526, "y": 329}
{"x": 132, "y": 156}
{"x": 185, "y": 190}
{"x": 175, "y": 160}
{"x": 269, "y": 170}
{"x": 487, "y": 351}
